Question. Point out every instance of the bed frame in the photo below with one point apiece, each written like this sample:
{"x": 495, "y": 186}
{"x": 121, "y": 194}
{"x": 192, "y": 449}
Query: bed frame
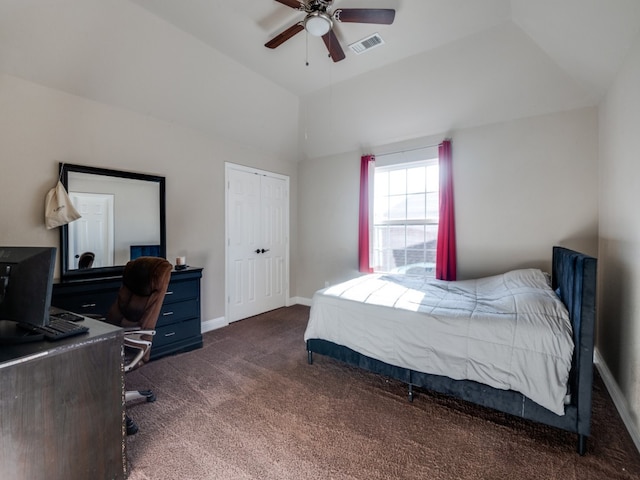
{"x": 574, "y": 280}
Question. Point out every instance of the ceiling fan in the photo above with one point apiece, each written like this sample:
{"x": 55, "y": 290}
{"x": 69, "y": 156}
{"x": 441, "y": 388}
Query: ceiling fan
{"x": 319, "y": 22}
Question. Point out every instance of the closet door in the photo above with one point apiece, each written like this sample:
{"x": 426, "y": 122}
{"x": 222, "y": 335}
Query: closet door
{"x": 257, "y": 223}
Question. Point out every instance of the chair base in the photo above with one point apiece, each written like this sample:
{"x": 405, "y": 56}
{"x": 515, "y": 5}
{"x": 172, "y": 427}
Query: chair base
{"x": 132, "y": 395}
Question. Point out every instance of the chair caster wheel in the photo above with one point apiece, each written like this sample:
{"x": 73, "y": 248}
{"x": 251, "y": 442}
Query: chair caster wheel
{"x": 150, "y": 396}
{"x": 132, "y": 428}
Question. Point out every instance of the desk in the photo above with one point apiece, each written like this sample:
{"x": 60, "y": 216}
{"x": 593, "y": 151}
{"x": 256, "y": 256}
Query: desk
{"x": 62, "y": 407}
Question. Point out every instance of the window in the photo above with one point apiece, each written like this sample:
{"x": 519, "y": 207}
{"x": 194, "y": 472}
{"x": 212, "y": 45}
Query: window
{"x": 405, "y": 217}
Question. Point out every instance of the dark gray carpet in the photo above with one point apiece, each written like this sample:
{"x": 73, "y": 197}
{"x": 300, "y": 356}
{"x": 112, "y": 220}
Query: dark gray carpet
{"x": 248, "y": 406}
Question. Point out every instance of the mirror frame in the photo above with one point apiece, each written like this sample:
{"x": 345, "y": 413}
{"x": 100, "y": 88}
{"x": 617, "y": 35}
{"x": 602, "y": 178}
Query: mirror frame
{"x": 116, "y": 270}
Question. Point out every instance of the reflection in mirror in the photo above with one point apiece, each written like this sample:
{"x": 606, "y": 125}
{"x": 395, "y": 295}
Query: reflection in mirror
{"x": 122, "y": 215}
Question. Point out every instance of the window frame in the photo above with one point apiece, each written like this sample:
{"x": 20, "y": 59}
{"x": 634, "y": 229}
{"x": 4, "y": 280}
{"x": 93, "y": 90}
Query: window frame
{"x": 378, "y": 253}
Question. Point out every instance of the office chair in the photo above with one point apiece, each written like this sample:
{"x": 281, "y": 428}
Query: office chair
{"x": 136, "y": 309}
{"x": 86, "y": 260}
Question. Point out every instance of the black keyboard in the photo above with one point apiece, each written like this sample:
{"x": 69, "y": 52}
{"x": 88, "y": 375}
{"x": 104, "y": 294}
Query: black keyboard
{"x": 57, "y": 329}
{"x": 71, "y": 317}
{"x": 64, "y": 314}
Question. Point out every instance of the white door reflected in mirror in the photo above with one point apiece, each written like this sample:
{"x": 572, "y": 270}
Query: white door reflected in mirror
{"x": 94, "y": 232}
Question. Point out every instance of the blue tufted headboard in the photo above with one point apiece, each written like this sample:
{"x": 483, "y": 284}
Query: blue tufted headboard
{"x": 574, "y": 279}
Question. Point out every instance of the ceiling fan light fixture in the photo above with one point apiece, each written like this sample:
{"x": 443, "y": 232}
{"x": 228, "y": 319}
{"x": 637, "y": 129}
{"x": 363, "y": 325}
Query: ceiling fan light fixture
{"x": 318, "y": 23}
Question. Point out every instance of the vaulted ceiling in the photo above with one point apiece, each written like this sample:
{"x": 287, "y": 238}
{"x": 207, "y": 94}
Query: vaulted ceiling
{"x": 586, "y": 38}
{"x": 444, "y": 63}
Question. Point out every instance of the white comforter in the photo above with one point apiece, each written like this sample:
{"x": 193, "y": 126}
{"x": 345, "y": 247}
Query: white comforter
{"x": 508, "y": 331}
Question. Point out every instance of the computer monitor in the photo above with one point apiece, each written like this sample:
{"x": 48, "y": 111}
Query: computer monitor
{"x": 26, "y": 282}
{"x": 136, "y": 251}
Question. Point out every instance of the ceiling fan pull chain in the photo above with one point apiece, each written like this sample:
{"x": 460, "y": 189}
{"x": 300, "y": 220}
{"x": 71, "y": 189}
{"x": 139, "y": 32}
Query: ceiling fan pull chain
{"x": 306, "y": 60}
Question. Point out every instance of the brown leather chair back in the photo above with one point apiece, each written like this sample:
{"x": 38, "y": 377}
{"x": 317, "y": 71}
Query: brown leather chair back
{"x": 144, "y": 284}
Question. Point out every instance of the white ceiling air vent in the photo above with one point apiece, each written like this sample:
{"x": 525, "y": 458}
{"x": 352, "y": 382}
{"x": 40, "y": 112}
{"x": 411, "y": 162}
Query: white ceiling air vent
{"x": 367, "y": 43}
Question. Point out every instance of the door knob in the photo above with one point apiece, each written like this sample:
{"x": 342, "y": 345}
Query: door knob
{"x": 258, "y": 251}
{"x": 263, "y": 250}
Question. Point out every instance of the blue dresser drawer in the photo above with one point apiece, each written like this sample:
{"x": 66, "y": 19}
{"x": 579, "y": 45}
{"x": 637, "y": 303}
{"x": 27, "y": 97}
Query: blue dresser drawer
{"x": 179, "y": 291}
{"x": 177, "y": 312}
{"x": 176, "y": 332}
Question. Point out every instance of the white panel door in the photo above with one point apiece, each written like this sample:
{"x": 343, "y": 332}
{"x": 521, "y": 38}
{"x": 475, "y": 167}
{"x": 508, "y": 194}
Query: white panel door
{"x": 257, "y": 242}
{"x": 273, "y": 242}
{"x": 93, "y": 231}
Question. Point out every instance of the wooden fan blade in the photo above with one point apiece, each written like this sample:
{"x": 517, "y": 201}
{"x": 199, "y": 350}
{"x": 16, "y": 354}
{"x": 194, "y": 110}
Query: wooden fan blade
{"x": 291, "y": 3}
{"x": 284, "y": 36}
{"x": 382, "y": 16}
{"x": 333, "y": 45}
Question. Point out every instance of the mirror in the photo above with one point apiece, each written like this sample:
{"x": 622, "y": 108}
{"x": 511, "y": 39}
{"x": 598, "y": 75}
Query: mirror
{"x": 123, "y": 217}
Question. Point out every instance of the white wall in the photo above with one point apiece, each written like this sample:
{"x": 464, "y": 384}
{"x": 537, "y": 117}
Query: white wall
{"x": 619, "y": 250}
{"x": 520, "y": 188}
{"x": 523, "y": 186}
{"x": 40, "y": 127}
{"x": 328, "y": 199}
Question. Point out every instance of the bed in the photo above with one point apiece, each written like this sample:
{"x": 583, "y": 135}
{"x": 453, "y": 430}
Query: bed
{"x": 388, "y": 325}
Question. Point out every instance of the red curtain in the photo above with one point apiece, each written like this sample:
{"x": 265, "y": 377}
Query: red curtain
{"x": 446, "y": 246}
{"x": 366, "y": 162}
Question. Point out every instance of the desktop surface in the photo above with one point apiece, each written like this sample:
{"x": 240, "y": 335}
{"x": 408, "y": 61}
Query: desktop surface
{"x": 22, "y": 351}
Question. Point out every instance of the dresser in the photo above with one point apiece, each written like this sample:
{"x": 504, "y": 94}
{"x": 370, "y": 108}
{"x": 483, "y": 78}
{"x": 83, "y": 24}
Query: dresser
{"x": 179, "y": 324}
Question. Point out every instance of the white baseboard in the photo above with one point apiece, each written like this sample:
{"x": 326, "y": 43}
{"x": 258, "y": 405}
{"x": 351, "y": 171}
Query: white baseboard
{"x": 213, "y": 324}
{"x": 299, "y": 301}
{"x": 618, "y": 398}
